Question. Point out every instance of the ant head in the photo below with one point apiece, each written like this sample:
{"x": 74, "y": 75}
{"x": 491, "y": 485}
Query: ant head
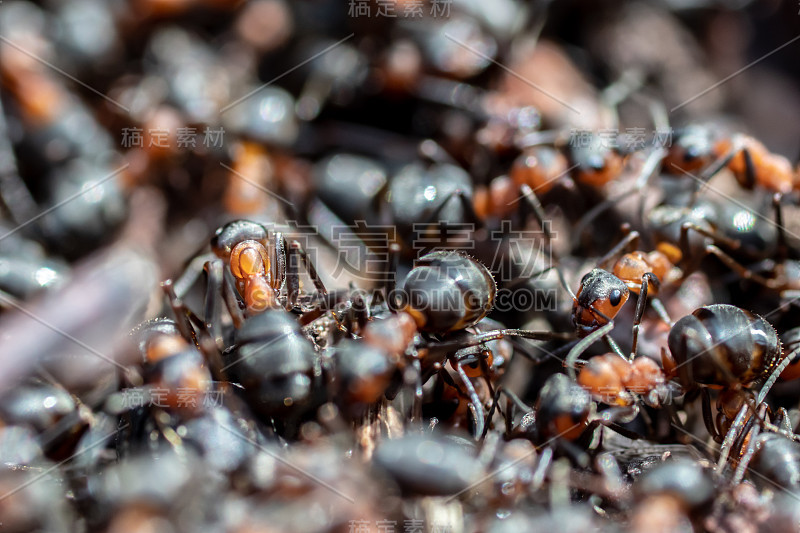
{"x": 599, "y": 299}
{"x": 161, "y": 345}
{"x": 539, "y": 168}
{"x": 232, "y": 233}
{"x": 563, "y": 408}
{"x": 694, "y": 148}
{"x": 598, "y": 163}
{"x": 249, "y": 258}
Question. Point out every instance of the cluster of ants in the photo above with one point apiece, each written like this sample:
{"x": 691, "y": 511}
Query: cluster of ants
{"x": 259, "y": 392}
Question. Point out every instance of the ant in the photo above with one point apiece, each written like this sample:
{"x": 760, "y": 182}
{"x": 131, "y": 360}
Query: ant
{"x": 276, "y": 366}
{"x": 248, "y": 249}
{"x": 754, "y": 167}
{"x": 178, "y": 377}
{"x": 405, "y": 460}
{"x": 771, "y": 455}
{"x": 431, "y": 193}
{"x": 444, "y": 295}
{"x": 675, "y": 494}
{"x": 564, "y": 412}
{"x": 708, "y": 149}
{"x": 719, "y": 346}
{"x": 602, "y": 294}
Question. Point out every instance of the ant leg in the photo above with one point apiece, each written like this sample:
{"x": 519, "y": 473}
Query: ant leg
{"x": 782, "y": 420}
{"x": 296, "y": 250}
{"x": 486, "y": 371}
{"x": 708, "y": 417}
{"x": 497, "y": 334}
{"x": 614, "y": 347}
{"x": 516, "y": 400}
{"x": 474, "y": 400}
{"x": 783, "y": 248}
{"x": 581, "y": 347}
{"x": 749, "y": 170}
{"x": 179, "y": 310}
{"x": 659, "y": 308}
{"x": 620, "y": 90}
{"x": 196, "y": 266}
{"x": 538, "y": 211}
{"x": 508, "y": 416}
{"x": 280, "y": 262}
{"x": 232, "y": 300}
{"x": 750, "y": 451}
{"x": 641, "y": 303}
{"x": 628, "y": 242}
{"x": 746, "y": 273}
{"x": 212, "y": 314}
{"x": 542, "y": 466}
{"x": 733, "y": 244}
{"x": 575, "y": 453}
{"x": 674, "y": 419}
{"x": 611, "y": 424}
{"x": 495, "y": 400}
{"x": 711, "y": 170}
{"x": 744, "y": 462}
{"x": 750, "y": 425}
{"x": 773, "y": 377}
{"x": 725, "y": 449}
{"x": 210, "y": 342}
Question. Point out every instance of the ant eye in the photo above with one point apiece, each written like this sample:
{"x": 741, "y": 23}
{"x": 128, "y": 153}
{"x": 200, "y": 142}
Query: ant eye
{"x": 615, "y": 297}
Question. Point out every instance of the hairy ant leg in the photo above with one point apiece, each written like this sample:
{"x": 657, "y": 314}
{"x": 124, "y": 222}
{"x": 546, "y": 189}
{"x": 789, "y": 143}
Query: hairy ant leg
{"x": 212, "y": 312}
{"x": 582, "y": 345}
{"x": 293, "y": 275}
{"x": 641, "y": 304}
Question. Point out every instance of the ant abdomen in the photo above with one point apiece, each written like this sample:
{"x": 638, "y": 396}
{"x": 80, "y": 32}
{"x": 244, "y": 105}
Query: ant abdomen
{"x": 448, "y": 291}
{"x": 723, "y": 345}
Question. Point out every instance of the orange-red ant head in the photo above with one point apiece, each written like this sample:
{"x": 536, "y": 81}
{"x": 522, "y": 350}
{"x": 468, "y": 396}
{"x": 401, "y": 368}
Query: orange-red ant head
{"x": 693, "y": 150}
{"x": 393, "y": 334}
{"x": 177, "y": 368}
{"x": 474, "y": 369}
{"x": 603, "y": 171}
{"x": 249, "y": 258}
{"x": 499, "y": 199}
{"x": 539, "y": 168}
{"x": 162, "y": 346}
{"x": 599, "y": 299}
